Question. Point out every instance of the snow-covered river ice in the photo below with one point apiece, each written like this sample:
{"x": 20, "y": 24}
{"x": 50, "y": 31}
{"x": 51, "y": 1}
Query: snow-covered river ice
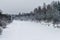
{"x": 24, "y": 30}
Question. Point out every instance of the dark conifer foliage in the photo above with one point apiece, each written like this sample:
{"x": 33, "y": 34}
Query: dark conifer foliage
{"x": 5, "y": 19}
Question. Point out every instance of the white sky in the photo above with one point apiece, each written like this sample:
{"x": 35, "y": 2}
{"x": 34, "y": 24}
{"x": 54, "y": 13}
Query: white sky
{"x": 16, "y": 6}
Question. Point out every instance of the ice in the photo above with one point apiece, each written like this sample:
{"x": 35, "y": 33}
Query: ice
{"x": 24, "y": 30}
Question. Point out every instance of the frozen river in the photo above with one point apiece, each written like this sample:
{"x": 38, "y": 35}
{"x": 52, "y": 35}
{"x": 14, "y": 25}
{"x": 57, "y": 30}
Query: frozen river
{"x": 24, "y": 30}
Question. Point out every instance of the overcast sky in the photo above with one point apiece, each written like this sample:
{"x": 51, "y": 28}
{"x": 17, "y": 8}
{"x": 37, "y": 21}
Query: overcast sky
{"x": 16, "y": 6}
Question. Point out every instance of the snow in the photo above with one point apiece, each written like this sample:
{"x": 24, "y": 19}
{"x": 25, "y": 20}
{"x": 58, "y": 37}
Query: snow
{"x": 24, "y": 30}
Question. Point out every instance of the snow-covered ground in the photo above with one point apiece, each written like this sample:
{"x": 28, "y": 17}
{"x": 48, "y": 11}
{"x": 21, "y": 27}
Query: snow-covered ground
{"x": 24, "y": 30}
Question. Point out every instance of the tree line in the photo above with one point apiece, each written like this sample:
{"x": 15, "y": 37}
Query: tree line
{"x": 47, "y": 13}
